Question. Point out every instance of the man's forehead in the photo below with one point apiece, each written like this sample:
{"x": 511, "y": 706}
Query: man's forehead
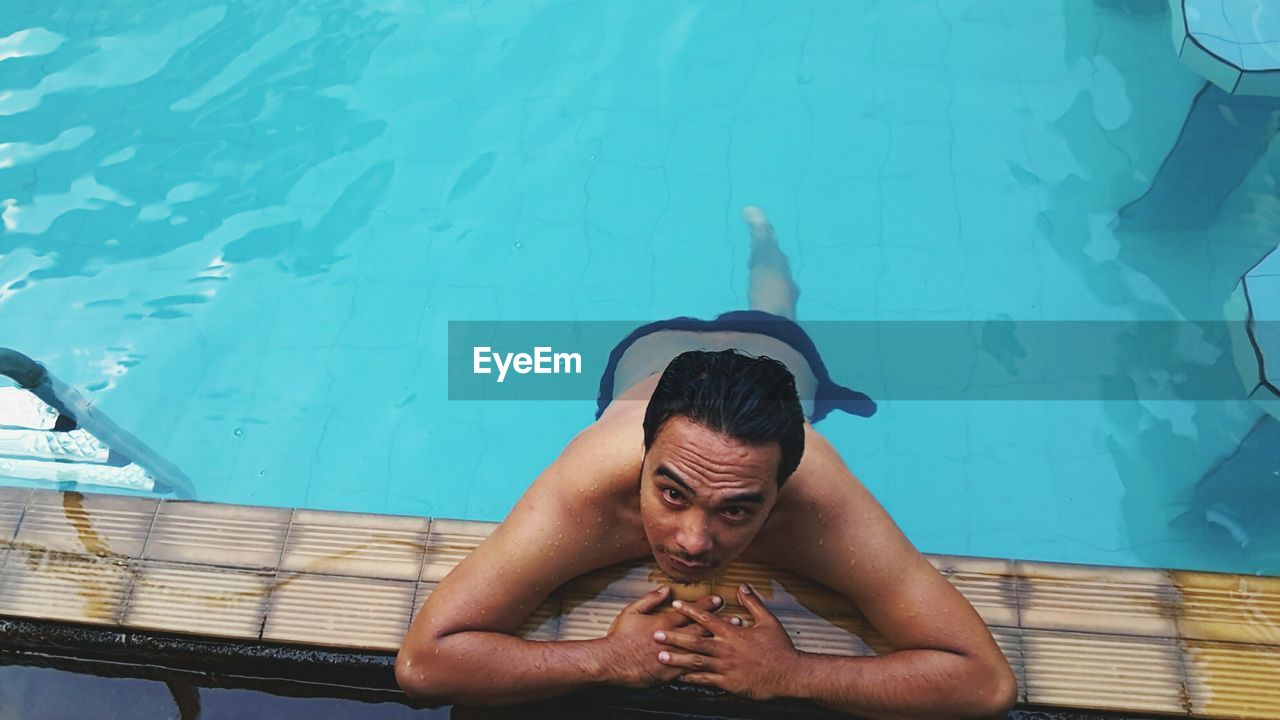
{"x": 683, "y": 446}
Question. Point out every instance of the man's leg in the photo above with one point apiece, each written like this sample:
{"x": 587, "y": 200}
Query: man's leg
{"x": 770, "y": 287}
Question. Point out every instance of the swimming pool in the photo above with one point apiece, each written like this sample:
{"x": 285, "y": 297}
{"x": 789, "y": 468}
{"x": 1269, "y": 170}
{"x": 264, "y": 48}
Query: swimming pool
{"x": 242, "y": 233}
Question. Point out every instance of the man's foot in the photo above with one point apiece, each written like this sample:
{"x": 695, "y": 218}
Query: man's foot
{"x": 761, "y": 229}
{"x": 771, "y": 288}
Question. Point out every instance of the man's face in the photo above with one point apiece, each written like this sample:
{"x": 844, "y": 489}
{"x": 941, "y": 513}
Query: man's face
{"x": 703, "y": 497}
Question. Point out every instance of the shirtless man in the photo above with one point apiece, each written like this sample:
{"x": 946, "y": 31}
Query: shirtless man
{"x": 695, "y": 462}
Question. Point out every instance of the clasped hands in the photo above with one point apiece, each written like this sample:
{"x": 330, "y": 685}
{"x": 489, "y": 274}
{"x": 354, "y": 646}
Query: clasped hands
{"x": 689, "y": 642}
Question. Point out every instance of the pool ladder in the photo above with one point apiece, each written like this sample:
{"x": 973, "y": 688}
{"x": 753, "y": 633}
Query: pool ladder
{"x": 49, "y": 432}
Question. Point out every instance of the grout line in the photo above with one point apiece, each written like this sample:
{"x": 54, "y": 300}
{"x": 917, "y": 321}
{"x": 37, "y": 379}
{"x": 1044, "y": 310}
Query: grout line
{"x": 146, "y": 540}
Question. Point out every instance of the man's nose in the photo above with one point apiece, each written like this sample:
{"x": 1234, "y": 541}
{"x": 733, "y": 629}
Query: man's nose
{"x": 694, "y": 538}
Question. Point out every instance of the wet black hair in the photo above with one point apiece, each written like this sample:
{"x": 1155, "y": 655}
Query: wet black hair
{"x": 750, "y": 399}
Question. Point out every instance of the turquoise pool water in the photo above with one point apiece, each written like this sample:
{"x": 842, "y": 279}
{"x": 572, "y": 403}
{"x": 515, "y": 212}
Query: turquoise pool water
{"x": 241, "y": 231}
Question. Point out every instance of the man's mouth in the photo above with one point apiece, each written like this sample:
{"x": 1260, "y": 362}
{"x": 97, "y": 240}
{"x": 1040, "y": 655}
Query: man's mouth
{"x": 688, "y": 567}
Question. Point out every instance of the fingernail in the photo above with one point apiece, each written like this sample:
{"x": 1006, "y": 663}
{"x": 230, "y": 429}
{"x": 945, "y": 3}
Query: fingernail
{"x": 664, "y": 656}
{"x": 662, "y": 590}
{"x": 659, "y": 636}
{"x": 745, "y": 588}
{"x": 677, "y": 604}
{"x": 736, "y": 620}
{"x": 716, "y": 600}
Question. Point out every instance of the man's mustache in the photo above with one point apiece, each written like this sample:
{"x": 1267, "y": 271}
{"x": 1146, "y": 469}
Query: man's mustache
{"x": 686, "y": 558}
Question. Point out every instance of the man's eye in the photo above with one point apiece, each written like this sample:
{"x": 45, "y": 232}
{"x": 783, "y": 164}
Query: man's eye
{"x": 672, "y": 494}
{"x": 735, "y": 513}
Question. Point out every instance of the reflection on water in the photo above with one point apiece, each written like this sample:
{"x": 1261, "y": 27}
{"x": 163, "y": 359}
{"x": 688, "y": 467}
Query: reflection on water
{"x": 159, "y": 164}
{"x": 243, "y": 228}
{"x": 48, "y": 694}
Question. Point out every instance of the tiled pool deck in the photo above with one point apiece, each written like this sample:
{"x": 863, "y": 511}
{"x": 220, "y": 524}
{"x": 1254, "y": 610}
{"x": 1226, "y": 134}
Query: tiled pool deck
{"x": 1233, "y": 43}
{"x": 1081, "y": 637}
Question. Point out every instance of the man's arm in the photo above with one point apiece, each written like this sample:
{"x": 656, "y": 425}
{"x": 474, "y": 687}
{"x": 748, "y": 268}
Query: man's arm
{"x": 461, "y": 647}
{"x": 575, "y": 518}
{"x": 945, "y": 662}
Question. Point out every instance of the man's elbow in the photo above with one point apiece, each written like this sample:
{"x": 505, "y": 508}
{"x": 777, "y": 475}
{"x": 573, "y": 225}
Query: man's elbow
{"x": 1003, "y": 693}
{"x": 415, "y": 676}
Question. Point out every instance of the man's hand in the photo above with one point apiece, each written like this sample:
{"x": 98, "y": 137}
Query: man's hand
{"x": 633, "y": 649}
{"x": 747, "y": 661}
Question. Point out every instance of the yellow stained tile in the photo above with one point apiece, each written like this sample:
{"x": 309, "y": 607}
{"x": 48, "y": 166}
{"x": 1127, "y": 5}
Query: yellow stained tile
{"x": 781, "y": 590}
{"x": 1232, "y": 608}
{"x": 334, "y": 611}
{"x": 631, "y": 580}
{"x": 1233, "y": 680}
{"x": 448, "y": 543}
{"x": 1087, "y": 598}
{"x": 12, "y": 502}
{"x": 198, "y": 599}
{"x": 217, "y": 534}
{"x": 56, "y": 585}
{"x": 104, "y": 525}
{"x": 332, "y": 543}
{"x": 1103, "y": 672}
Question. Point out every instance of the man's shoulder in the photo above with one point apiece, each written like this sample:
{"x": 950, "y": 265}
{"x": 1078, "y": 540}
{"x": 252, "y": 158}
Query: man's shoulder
{"x": 601, "y": 463}
{"x": 822, "y": 487}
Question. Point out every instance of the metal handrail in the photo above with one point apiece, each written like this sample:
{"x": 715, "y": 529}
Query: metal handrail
{"x": 35, "y": 378}
{"x": 21, "y": 369}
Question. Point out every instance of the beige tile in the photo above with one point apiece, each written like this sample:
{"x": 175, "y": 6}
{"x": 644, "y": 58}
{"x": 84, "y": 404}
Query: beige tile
{"x": 831, "y": 635}
{"x": 543, "y": 624}
{"x": 1232, "y": 608}
{"x": 995, "y": 597}
{"x": 334, "y": 611}
{"x": 1103, "y": 672}
{"x": 12, "y": 502}
{"x": 332, "y": 543}
{"x": 1233, "y": 680}
{"x": 217, "y": 534}
{"x": 448, "y": 543}
{"x": 631, "y": 580}
{"x": 588, "y": 618}
{"x": 422, "y": 591}
{"x": 781, "y": 590}
{"x": 198, "y": 599}
{"x": 70, "y": 587}
{"x": 1087, "y": 598}
{"x": 966, "y": 564}
{"x": 90, "y": 524}
{"x": 1010, "y": 641}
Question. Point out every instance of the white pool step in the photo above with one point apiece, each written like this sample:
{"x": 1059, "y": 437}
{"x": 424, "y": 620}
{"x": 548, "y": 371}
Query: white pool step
{"x": 72, "y": 446}
{"x": 127, "y": 477}
{"x": 21, "y": 409}
{"x": 30, "y": 448}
